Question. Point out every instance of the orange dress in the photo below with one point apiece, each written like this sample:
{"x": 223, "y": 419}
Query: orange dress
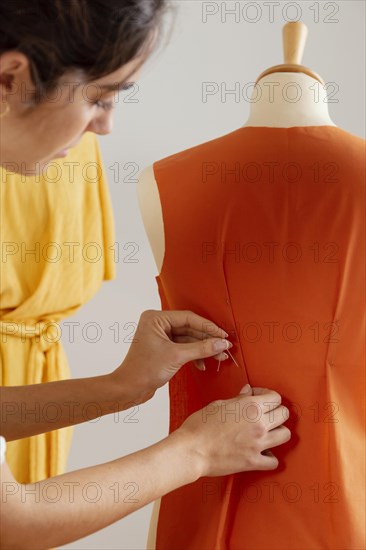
{"x": 265, "y": 236}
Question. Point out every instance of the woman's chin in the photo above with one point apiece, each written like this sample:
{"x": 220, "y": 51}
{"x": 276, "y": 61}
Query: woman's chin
{"x": 61, "y": 154}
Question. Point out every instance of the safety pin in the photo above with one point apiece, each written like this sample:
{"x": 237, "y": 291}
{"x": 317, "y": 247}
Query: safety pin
{"x": 218, "y": 366}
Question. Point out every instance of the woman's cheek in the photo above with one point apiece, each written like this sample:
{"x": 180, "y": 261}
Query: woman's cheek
{"x": 76, "y": 127}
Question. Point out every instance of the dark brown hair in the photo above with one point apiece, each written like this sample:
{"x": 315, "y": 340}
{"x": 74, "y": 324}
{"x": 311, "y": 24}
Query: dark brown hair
{"x": 94, "y": 36}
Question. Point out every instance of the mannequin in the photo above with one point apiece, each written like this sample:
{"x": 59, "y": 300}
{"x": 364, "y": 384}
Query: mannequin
{"x": 285, "y": 96}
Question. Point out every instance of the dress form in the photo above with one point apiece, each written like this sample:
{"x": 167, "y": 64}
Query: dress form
{"x": 285, "y": 96}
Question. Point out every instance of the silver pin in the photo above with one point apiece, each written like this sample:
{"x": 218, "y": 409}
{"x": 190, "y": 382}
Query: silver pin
{"x": 218, "y": 366}
{"x": 232, "y": 357}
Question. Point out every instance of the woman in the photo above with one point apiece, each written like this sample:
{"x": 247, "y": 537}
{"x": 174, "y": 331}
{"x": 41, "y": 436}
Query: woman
{"x": 54, "y": 260}
{"x": 60, "y": 64}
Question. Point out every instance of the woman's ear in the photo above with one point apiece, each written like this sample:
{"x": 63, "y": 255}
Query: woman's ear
{"x": 15, "y": 79}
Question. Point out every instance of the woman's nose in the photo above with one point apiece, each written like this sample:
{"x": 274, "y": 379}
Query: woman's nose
{"x": 102, "y": 124}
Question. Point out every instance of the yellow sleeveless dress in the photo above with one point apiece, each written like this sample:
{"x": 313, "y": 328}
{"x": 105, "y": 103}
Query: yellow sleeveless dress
{"x": 57, "y": 236}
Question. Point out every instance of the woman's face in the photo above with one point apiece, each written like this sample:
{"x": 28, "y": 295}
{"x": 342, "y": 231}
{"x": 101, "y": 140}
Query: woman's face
{"x": 30, "y": 138}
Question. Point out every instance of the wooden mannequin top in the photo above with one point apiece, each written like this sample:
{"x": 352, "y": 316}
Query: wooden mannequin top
{"x": 271, "y": 110}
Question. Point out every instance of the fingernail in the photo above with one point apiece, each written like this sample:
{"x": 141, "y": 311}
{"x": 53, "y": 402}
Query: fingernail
{"x": 221, "y": 345}
{"x": 245, "y": 389}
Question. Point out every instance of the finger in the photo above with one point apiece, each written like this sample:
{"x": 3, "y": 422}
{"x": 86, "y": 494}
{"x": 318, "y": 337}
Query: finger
{"x": 184, "y": 335}
{"x": 276, "y": 417}
{"x": 184, "y": 339}
{"x": 188, "y": 331}
{"x": 200, "y": 364}
{"x": 260, "y": 391}
{"x": 267, "y": 399}
{"x": 277, "y": 437}
{"x": 267, "y": 461}
{"x": 265, "y": 402}
{"x": 188, "y": 319}
{"x": 201, "y": 350}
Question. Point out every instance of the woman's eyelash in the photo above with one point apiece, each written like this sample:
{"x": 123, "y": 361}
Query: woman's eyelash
{"x": 105, "y": 105}
{"x": 109, "y": 105}
{"x": 128, "y": 86}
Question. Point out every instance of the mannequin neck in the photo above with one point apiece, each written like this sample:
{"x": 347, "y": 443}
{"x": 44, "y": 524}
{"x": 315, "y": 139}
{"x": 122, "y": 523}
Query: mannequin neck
{"x": 289, "y": 99}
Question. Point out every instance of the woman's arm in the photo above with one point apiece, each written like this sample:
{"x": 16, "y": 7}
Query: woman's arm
{"x": 65, "y": 508}
{"x": 39, "y": 408}
{"x": 153, "y": 358}
{"x": 210, "y": 442}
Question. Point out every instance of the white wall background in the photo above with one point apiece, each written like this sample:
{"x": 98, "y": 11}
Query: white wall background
{"x": 170, "y": 115}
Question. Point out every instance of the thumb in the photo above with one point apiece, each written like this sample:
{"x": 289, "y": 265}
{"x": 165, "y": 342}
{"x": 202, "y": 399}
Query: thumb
{"x": 202, "y": 349}
{"x": 247, "y": 390}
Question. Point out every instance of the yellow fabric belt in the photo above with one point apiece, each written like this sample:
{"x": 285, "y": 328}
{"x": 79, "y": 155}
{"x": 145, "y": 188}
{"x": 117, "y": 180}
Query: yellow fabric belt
{"x": 44, "y": 360}
{"x": 44, "y": 337}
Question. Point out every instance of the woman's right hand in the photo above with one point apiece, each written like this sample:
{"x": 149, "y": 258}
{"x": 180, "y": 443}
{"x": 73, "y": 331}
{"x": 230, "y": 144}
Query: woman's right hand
{"x": 164, "y": 341}
{"x": 230, "y": 436}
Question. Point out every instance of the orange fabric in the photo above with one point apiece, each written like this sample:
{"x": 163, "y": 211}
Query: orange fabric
{"x": 265, "y": 236}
